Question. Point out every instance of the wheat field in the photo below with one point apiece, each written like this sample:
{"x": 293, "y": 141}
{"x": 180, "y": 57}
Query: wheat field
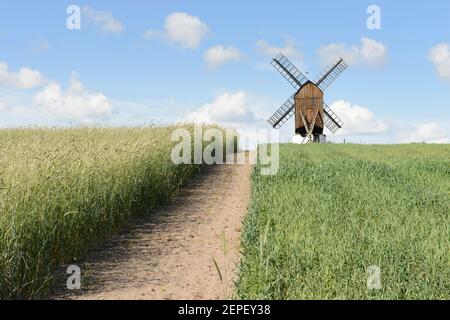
{"x": 62, "y": 191}
{"x": 315, "y": 230}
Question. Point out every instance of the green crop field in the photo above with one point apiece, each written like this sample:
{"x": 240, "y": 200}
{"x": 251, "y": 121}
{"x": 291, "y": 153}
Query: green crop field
{"x": 332, "y": 211}
{"x": 64, "y": 190}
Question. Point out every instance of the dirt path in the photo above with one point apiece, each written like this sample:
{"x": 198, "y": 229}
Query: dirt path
{"x": 172, "y": 254}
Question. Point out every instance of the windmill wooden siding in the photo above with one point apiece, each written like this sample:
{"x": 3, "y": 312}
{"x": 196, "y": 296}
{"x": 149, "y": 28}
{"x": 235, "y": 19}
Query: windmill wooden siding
{"x": 307, "y": 100}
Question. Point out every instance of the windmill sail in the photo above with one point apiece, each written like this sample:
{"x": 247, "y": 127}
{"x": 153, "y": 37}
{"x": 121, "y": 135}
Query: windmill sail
{"x": 289, "y": 71}
{"x": 330, "y": 74}
{"x": 283, "y": 114}
{"x": 331, "y": 120}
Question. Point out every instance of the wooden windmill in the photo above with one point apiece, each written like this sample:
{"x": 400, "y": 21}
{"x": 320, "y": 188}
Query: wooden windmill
{"x": 311, "y": 112}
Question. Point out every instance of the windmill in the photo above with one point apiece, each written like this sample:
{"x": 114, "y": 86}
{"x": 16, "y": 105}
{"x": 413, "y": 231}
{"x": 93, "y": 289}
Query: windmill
{"x": 311, "y": 112}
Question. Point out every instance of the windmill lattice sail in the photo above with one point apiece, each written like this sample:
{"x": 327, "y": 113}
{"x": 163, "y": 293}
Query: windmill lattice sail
{"x": 283, "y": 114}
{"x": 331, "y": 120}
{"x": 331, "y": 73}
{"x": 289, "y": 71}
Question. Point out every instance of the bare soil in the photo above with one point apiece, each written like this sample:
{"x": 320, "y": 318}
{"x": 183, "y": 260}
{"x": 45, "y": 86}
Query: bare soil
{"x": 188, "y": 249}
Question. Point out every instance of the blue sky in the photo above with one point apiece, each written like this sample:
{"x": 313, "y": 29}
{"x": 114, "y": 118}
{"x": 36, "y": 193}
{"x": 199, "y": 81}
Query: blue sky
{"x": 136, "y": 67}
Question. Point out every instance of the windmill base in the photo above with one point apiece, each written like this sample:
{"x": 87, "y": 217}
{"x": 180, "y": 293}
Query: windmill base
{"x": 320, "y": 138}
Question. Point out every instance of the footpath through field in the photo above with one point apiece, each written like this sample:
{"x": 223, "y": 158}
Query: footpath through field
{"x": 186, "y": 250}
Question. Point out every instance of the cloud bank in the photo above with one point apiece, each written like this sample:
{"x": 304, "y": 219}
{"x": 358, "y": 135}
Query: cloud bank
{"x": 76, "y": 103}
{"x": 289, "y": 49}
{"x": 219, "y": 55}
{"x": 103, "y": 20}
{"x": 357, "y": 120}
{"x": 25, "y": 78}
{"x": 369, "y": 52}
{"x": 430, "y": 132}
{"x": 182, "y": 30}
{"x": 227, "y": 108}
{"x": 440, "y": 57}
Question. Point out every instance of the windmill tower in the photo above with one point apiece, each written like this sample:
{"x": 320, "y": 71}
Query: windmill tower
{"x": 307, "y": 104}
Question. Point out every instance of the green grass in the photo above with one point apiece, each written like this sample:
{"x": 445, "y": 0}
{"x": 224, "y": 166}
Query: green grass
{"x": 64, "y": 190}
{"x": 334, "y": 210}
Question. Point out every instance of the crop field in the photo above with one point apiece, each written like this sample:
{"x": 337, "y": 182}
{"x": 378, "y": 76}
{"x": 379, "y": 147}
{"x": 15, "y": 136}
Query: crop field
{"x": 314, "y": 230}
{"x": 64, "y": 190}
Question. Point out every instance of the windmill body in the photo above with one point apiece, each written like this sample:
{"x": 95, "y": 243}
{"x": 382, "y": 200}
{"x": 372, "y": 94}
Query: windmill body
{"x": 312, "y": 114}
{"x": 309, "y": 110}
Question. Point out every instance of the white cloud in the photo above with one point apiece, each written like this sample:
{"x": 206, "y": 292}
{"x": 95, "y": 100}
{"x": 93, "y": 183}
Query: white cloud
{"x": 225, "y": 109}
{"x": 74, "y": 104}
{"x": 430, "y": 132}
{"x": 25, "y": 78}
{"x": 104, "y": 20}
{"x": 357, "y": 120}
{"x": 370, "y": 52}
{"x": 440, "y": 57}
{"x": 218, "y": 55}
{"x": 181, "y": 29}
{"x": 289, "y": 49}
{"x": 185, "y": 30}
